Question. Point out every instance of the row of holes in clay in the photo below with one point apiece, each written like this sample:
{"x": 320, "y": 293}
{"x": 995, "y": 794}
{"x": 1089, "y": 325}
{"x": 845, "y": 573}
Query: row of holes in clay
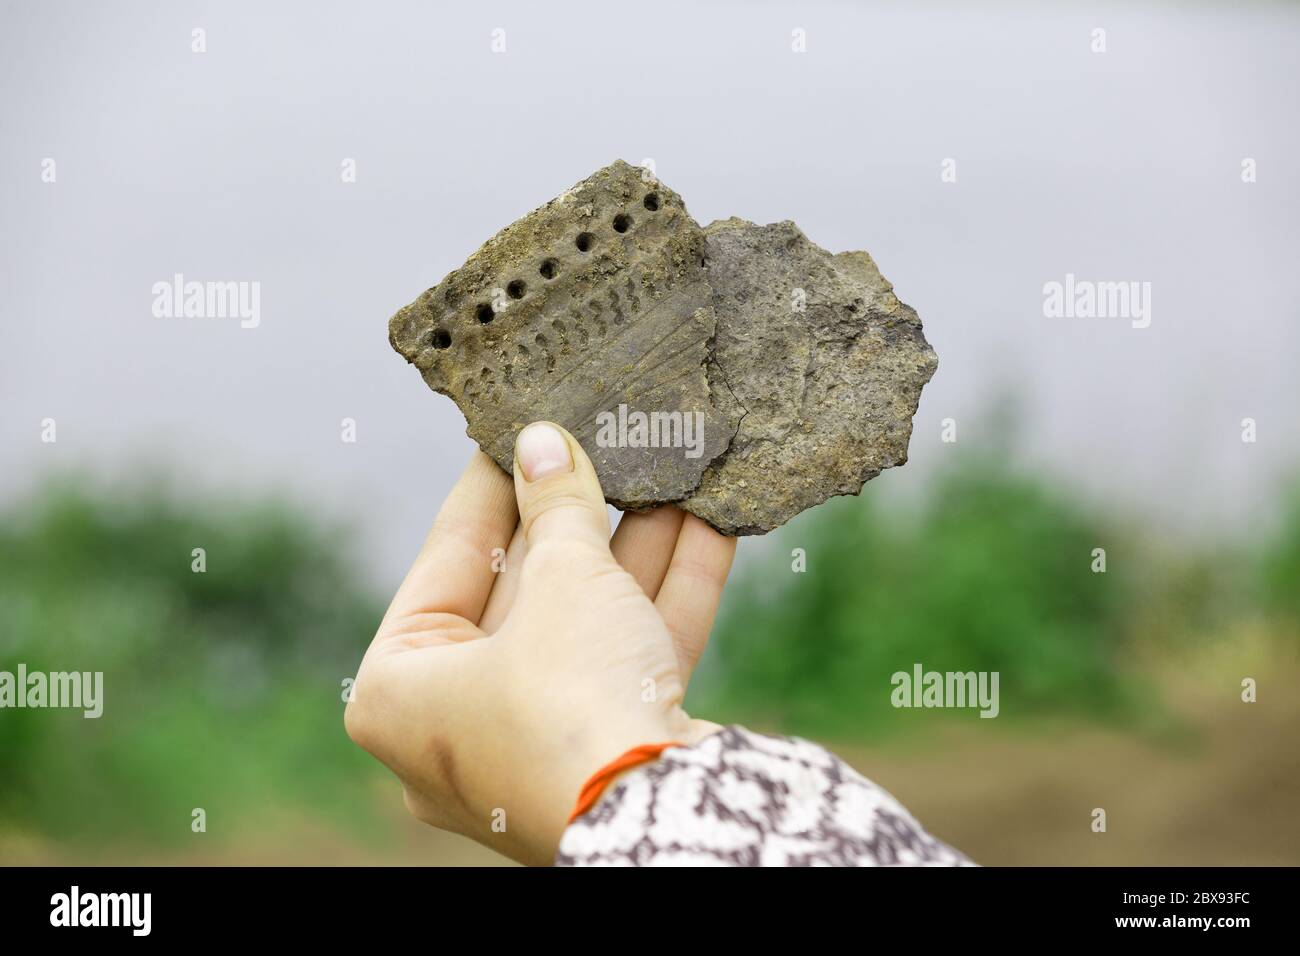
{"x": 549, "y": 269}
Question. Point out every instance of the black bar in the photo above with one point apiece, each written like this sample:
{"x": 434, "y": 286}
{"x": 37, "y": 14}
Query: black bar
{"x": 343, "y": 907}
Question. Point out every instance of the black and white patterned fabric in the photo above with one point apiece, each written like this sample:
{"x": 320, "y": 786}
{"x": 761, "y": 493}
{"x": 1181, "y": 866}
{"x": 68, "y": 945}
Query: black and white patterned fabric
{"x": 743, "y": 799}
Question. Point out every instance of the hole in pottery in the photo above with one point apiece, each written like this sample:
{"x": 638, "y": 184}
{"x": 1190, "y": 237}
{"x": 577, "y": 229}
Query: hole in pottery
{"x": 622, "y": 222}
{"x": 485, "y": 313}
{"x": 440, "y": 339}
{"x": 584, "y": 241}
{"x": 651, "y": 202}
{"x": 516, "y": 289}
{"x": 549, "y": 268}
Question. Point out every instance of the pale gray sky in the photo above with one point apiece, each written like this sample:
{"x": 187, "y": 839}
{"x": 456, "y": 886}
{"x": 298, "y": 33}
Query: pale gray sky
{"x": 225, "y": 165}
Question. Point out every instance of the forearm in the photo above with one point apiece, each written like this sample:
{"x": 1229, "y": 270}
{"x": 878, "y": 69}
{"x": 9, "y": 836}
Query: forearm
{"x": 743, "y": 799}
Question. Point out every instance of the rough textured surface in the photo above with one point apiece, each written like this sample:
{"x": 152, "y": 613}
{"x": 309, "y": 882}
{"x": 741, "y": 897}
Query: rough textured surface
{"x": 826, "y": 383}
{"x": 595, "y": 300}
{"x": 800, "y": 369}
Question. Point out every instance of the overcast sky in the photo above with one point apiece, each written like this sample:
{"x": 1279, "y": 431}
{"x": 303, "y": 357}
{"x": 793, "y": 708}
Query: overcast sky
{"x": 1123, "y": 165}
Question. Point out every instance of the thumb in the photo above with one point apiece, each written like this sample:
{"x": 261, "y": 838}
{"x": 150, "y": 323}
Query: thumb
{"x": 557, "y": 488}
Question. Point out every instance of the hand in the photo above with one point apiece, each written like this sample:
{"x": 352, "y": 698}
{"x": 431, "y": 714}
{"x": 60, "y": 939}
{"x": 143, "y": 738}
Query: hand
{"x": 494, "y": 693}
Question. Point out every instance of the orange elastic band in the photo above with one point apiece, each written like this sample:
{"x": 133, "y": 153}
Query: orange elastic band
{"x": 598, "y": 781}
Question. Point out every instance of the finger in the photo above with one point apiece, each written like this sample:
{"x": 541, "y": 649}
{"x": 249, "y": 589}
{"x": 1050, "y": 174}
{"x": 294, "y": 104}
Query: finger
{"x": 688, "y": 599}
{"x": 557, "y": 489}
{"x": 506, "y": 585}
{"x": 643, "y": 543}
{"x": 452, "y": 574}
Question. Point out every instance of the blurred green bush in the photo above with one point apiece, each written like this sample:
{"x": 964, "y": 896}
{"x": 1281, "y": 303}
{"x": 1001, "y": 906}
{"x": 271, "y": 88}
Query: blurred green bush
{"x": 991, "y": 572}
{"x": 222, "y": 689}
{"x": 1279, "y": 562}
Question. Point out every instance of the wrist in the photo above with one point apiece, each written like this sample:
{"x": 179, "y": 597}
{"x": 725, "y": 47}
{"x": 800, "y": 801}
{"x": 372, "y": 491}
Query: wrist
{"x": 672, "y": 733}
{"x": 548, "y": 767}
{"x": 595, "y": 756}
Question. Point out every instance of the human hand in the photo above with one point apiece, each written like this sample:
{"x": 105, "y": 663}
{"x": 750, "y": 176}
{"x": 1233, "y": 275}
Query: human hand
{"x": 494, "y": 693}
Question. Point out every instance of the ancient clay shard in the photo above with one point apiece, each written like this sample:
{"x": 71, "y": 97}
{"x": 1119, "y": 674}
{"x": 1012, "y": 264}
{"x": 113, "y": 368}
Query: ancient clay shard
{"x": 822, "y": 364}
{"x": 741, "y": 371}
{"x": 592, "y": 311}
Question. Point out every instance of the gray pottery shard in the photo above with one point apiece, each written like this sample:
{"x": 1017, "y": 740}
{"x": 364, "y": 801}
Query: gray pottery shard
{"x": 590, "y": 311}
{"x": 822, "y": 364}
{"x": 740, "y": 371}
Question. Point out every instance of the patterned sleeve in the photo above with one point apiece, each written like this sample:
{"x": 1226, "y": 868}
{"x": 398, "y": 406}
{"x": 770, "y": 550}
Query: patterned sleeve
{"x": 743, "y": 799}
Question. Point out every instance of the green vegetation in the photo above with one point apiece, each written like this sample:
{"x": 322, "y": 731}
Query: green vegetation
{"x": 1279, "y": 562}
{"x": 223, "y": 688}
{"x": 992, "y": 571}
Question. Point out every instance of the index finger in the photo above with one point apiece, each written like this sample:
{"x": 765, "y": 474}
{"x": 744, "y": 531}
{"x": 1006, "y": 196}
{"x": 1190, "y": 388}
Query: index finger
{"x": 453, "y": 573}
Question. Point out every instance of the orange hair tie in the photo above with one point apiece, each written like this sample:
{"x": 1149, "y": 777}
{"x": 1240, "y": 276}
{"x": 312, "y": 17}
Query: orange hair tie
{"x": 598, "y": 781}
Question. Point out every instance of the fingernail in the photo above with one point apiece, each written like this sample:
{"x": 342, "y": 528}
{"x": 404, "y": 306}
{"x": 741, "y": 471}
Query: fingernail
{"x": 542, "y": 451}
